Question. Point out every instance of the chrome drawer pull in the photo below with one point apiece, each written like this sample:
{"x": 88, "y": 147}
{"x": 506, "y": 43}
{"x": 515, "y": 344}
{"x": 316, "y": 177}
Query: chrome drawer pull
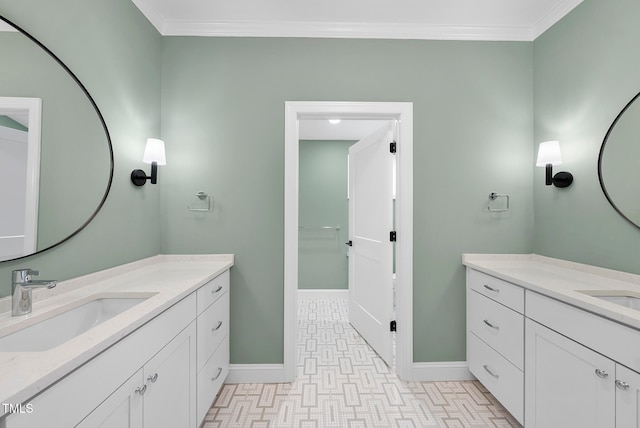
{"x": 490, "y": 372}
{"x": 495, "y": 327}
{"x": 216, "y": 328}
{"x": 622, "y": 385}
{"x": 141, "y": 389}
{"x": 495, "y": 290}
{"x": 602, "y": 374}
{"x": 213, "y": 379}
{"x": 216, "y": 290}
{"x": 153, "y": 378}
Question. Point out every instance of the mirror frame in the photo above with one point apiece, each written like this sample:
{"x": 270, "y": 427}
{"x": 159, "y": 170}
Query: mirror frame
{"x": 602, "y": 147}
{"x": 104, "y": 127}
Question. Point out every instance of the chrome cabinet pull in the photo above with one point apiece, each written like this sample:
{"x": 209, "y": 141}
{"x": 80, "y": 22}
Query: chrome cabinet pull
{"x": 141, "y": 389}
{"x": 495, "y": 327}
{"x": 216, "y": 290}
{"x": 490, "y": 372}
{"x": 602, "y": 374}
{"x": 216, "y": 328}
{"x": 495, "y": 290}
{"x": 213, "y": 379}
{"x": 153, "y": 378}
{"x": 622, "y": 385}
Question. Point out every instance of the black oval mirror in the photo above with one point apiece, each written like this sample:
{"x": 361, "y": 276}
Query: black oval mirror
{"x": 619, "y": 163}
{"x": 68, "y": 156}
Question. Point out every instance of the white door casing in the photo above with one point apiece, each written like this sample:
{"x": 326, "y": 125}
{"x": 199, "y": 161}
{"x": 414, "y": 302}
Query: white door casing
{"x": 371, "y": 252}
{"x": 403, "y": 113}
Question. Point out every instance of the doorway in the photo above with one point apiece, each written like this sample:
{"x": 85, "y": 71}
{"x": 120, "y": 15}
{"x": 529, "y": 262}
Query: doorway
{"x": 403, "y": 114}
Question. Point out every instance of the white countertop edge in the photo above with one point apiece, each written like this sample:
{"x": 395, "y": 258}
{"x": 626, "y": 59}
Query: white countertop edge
{"x": 481, "y": 259}
{"x": 569, "y": 278}
{"x": 68, "y": 285}
{"x": 56, "y": 363}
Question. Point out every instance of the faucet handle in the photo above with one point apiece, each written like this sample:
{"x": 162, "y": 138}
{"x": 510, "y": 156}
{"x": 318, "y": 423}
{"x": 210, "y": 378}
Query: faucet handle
{"x": 20, "y": 276}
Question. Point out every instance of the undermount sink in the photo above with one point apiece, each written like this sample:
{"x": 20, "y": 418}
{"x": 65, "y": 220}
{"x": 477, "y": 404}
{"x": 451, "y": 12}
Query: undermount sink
{"x": 626, "y": 298}
{"x": 63, "y": 326}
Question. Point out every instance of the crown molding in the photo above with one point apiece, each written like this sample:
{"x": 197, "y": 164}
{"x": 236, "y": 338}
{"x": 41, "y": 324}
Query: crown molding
{"x": 355, "y": 30}
{"x": 153, "y": 15}
{"x": 554, "y": 15}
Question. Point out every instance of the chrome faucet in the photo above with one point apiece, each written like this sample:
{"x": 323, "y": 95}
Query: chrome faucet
{"x": 21, "y": 287}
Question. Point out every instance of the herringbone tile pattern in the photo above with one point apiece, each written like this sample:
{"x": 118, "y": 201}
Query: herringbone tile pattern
{"x": 341, "y": 382}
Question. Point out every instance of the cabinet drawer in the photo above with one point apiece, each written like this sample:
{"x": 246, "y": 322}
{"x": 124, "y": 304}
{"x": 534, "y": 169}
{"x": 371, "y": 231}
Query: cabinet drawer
{"x": 212, "y": 327}
{"x": 498, "y": 326}
{"x": 211, "y": 378}
{"x": 212, "y": 290}
{"x": 504, "y": 380}
{"x": 501, "y": 291}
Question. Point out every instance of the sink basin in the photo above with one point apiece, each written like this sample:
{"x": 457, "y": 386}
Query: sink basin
{"x": 626, "y": 298}
{"x": 628, "y": 301}
{"x": 55, "y": 330}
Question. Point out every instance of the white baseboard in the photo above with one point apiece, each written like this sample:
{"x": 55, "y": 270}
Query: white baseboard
{"x": 328, "y": 293}
{"x": 441, "y": 371}
{"x": 256, "y": 373}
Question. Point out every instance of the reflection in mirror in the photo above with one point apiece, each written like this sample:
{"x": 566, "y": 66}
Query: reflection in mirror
{"x": 619, "y": 163}
{"x": 19, "y": 175}
{"x": 76, "y": 156}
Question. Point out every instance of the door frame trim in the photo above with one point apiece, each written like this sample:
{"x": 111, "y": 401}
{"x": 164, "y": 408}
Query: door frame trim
{"x": 403, "y": 112}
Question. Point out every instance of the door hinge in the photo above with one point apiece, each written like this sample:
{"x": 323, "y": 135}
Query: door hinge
{"x": 392, "y": 236}
{"x": 393, "y": 147}
{"x": 392, "y": 325}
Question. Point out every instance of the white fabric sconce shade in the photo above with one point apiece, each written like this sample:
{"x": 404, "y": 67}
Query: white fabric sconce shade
{"x": 549, "y": 152}
{"x": 548, "y": 155}
{"x": 153, "y": 154}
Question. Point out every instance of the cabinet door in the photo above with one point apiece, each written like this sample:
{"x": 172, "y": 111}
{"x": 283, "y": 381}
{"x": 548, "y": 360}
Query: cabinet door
{"x": 123, "y": 408}
{"x": 567, "y": 385}
{"x": 627, "y": 398}
{"x": 170, "y": 376}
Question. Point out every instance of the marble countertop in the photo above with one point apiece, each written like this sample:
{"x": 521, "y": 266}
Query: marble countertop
{"x": 165, "y": 279}
{"x": 563, "y": 280}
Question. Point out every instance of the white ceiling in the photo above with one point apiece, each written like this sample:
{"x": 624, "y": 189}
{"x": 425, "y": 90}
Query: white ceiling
{"x": 522, "y": 20}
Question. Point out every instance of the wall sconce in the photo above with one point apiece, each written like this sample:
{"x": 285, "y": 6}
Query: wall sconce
{"x": 549, "y": 155}
{"x": 153, "y": 154}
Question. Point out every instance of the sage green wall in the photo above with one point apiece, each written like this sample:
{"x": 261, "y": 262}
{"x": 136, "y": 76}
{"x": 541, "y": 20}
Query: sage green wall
{"x": 587, "y": 68}
{"x": 115, "y": 52}
{"x": 223, "y": 121}
{"x": 322, "y": 254}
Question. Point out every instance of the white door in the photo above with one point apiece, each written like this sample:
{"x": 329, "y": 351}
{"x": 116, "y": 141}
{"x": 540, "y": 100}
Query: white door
{"x": 371, "y": 251}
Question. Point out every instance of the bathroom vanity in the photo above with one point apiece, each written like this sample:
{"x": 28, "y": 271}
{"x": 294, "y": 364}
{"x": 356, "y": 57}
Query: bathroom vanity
{"x": 556, "y": 342}
{"x": 156, "y": 356}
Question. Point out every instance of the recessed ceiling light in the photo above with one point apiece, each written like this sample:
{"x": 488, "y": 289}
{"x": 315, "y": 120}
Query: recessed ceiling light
{"x": 334, "y": 121}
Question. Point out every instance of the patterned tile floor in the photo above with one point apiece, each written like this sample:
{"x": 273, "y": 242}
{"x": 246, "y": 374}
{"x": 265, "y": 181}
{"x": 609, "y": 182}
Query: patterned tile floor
{"x": 341, "y": 382}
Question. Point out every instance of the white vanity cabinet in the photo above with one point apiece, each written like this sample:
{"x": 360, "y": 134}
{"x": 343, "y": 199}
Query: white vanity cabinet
{"x": 567, "y": 384}
{"x": 571, "y": 385}
{"x": 554, "y": 323}
{"x": 165, "y": 374}
{"x": 575, "y": 373}
{"x": 495, "y": 338}
{"x": 213, "y": 341}
{"x": 160, "y": 394}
